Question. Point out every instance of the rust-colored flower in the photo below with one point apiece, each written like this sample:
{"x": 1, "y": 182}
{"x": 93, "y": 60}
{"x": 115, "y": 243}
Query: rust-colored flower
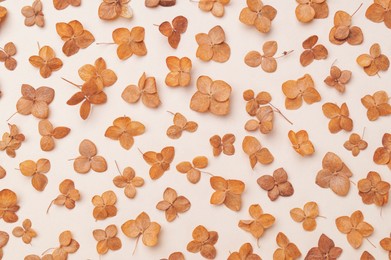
{"x": 266, "y": 60}
{"x": 74, "y": 36}
{"x": 35, "y": 101}
{"x": 216, "y": 7}
{"x": 180, "y": 124}
{"x": 259, "y": 224}
{"x": 89, "y": 158}
{"x": 245, "y": 253}
{"x": 228, "y": 192}
{"x": 338, "y": 78}
{"x": 298, "y": 90}
{"x": 192, "y": 170}
{"x": 339, "y": 117}
{"x": 373, "y": 190}
{"x": 326, "y": 250}
{"x": 276, "y": 185}
{"x": 159, "y": 161}
{"x": 307, "y": 216}
{"x": 203, "y": 242}
{"x": 307, "y": 10}
{"x": 254, "y": 102}
{"x": 377, "y": 105}
{"x": 382, "y": 155}
{"x": 49, "y": 133}
{"x": 212, "y": 46}
{"x": 373, "y": 62}
{"x": 263, "y": 121}
{"x": 98, "y": 72}
{"x": 312, "y": 52}
{"x": 225, "y": 144}
{"x": 112, "y": 9}
{"x": 25, "y": 231}
{"x": 287, "y": 250}
{"x": 130, "y": 42}
{"x": 301, "y": 142}
{"x": 69, "y": 195}
{"x": 8, "y": 206}
{"x": 37, "y": 171}
{"x": 104, "y": 206}
{"x": 107, "y": 239}
{"x": 385, "y": 243}
{"x": 256, "y": 153}
{"x": 172, "y": 204}
{"x": 258, "y": 15}
{"x": 4, "y": 238}
{"x": 124, "y": 130}
{"x": 173, "y": 32}
{"x": 343, "y": 31}
{"x": 6, "y": 56}
{"x": 33, "y": 14}
{"x": 379, "y": 12}
{"x": 129, "y": 181}
{"x": 62, "y": 4}
{"x": 179, "y": 75}
{"x": 355, "y": 144}
{"x": 11, "y": 141}
{"x": 46, "y": 61}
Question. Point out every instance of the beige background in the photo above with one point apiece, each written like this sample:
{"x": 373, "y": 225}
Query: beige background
{"x": 289, "y": 34}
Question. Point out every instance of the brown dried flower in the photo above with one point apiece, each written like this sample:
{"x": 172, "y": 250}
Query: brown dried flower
{"x": 334, "y": 175}
{"x": 11, "y": 141}
{"x": 260, "y": 222}
{"x": 213, "y": 96}
{"x": 112, "y": 9}
{"x": 263, "y": 121}
{"x": 276, "y": 185}
{"x": 130, "y": 42}
{"x": 179, "y": 75}
{"x": 124, "y": 130}
{"x": 379, "y": 12}
{"x": 104, "y": 206}
{"x": 354, "y": 227}
{"x": 203, "y": 242}
{"x": 355, "y": 144}
{"x": 287, "y": 250}
{"x": 301, "y": 142}
{"x": 146, "y": 90}
{"x": 216, "y": 7}
{"x": 69, "y": 195}
{"x": 325, "y": 250}
{"x": 344, "y": 31}
{"x": 258, "y": 15}
{"x": 254, "y": 102}
{"x": 377, "y": 105}
{"x": 37, "y": 171}
{"x": 307, "y": 215}
{"x": 89, "y": 159}
{"x": 192, "y": 170}
{"x": 266, "y": 60}
{"x": 4, "y": 237}
{"x": 373, "y": 190}
{"x": 25, "y": 231}
{"x": 46, "y": 61}
{"x": 49, "y": 133}
{"x": 98, "y": 72}
{"x": 253, "y": 148}
{"x": 8, "y": 206}
{"x": 74, "y": 36}
{"x": 245, "y": 253}
{"x": 308, "y": 10}
{"x": 338, "y": 78}
{"x": 385, "y": 243}
{"x": 172, "y": 204}
{"x": 297, "y": 90}
{"x": 382, "y": 155}
{"x": 312, "y": 51}
{"x": 68, "y": 245}
{"x": 35, "y": 101}
{"x": 159, "y": 162}
{"x": 373, "y": 62}
{"x": 129, "y": 181}
{"x": 173, "y": 32}
{"x": 228, "y": 192}
{"x": 155, "y": 3}
{"x": 180, "y": 124}
{"x": 6, "y": 56}
{"x": 34, "y": 14}
{"x": 107, "y": 239}
{"x": 339, "y": 117}
{"x": 62, "y": 4}
{"x": 225, "y": 144}
{"x": 212, "y": 46}
{"x": 366, "y": 256}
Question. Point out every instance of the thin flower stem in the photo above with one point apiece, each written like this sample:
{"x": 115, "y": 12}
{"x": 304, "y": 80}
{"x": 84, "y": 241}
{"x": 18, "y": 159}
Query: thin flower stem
{"x": 116, "y": 164}
{"x": 322, "y": 217}
{"x": 17, "y": 169}
{"x": 50, "y": 205}
{"x": 156, "y": 25}
{"x": 357, "y": 9}
{"x": 140, "y": 151}
{"x": 135, "y": 246}
{"x": 70, "y": 82}
{"x": 207, "y": 173}
{"x": 39, "y": 46}
{"x": 370, "y": 242}
{"x": 258, "y": 243}
{"x": 279, "y": 111}
{"x": 12, "y": 116}
{"x": 363, "y": 133}
{"x": 381, "y": 212}
{"x": 284, "y": 54}
{"x": 353, "y": 182}
{"x": 44, "y": 252}
{"x": 71, "y": 160}
{"x": 104, "y": 43}
{"x": 193, "y": 1}
{"x": 171, "y": 113}
{"x": 332, "y": 64}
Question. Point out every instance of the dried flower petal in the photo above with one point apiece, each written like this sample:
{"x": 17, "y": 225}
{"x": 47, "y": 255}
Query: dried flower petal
{"x": 256, "y": 153}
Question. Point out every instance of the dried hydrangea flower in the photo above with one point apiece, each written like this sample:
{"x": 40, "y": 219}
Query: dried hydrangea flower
{"x": 325, "y": 250}
{"x": 343, "y": 31}
{"x": 49, "y": 133}
{"x": 287, "y": 250}
{"x": 37, "y": 171}
{"x": 373, "y": 62}
{"x": 172, "y": 204}
{"x": 212, "y": 46}
{"x": 34, "y": 14}
{"x": 107, "y": 239}
{"x": 338, "y": 78}
{"x": 25, "y": 231}
{"x": 379, "y": 12}
{"x": 6, "y": 56}
{"x": 258, "y": 15}
{"x": 46, "y": 61}
{"x": 377, "y": 105}
{"x": 9, "y": 205}
{"x": 11, "y": 141}
{"x": 276, "y": 185}
{"x": 382, "y": 155}
{"x": 98, "y": 72}
{"x": 104, "y": 206}
{"x": 35, "y": 101}
{"x": 180, "y": 124}
{"x": 68, "y": 197}
{"x": 263, "y": 121}
{"x": 146, "y": 90}
{"x": 4, "y": 238}
{"x": 62, "y": 4}
{"x": 74, "y": 36}
{"x": 216, "y": 7}
{"x": 68, "y": 245}
{"x": 173, "y": 32}
{"x": 355, "y": 144}
{"x": 203, "y": 242}
{"x": 155, "y": 3}
{"x": 129, "y": 181}
{"x": 298, "y": 90}
{"x": 192, "y": 170}
{"x": 245, "y": 253}
{"x": 312, "y": 51}
{"x": 112, "y": 9}
{"x": 307, "y": 216}
{"x": 179, "y": 75}
{"x": 130, "y": 42}
{"x": 385, "y": 243}
{"x": 373, "y": 190}
{"x": 266, "y": 60}
{"x": 159, "y": 161}
{"x": 339, "y": 117}
{"x": 227, "y": 192}
{"x": 225, "y": 144}
{"x": 301, "y": 142}
{"x": 89, "y": 158}
{"x": 256, "y": 153}
{"x": 254, "y": 102}
{"x": 124, "y": 130}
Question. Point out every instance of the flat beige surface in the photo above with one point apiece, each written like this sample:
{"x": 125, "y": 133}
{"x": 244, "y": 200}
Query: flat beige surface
{"x": 289, "y": 34}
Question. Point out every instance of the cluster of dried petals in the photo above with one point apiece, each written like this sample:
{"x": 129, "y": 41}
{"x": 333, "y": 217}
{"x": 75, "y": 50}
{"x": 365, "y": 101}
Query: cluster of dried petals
{"x": 112, "y": 9}
{"x": 307, "y": 10}
{"x": 107, "y": 239}
{"x": 385, "y": 243}
{"x": 373, "y": 190}
{"x": 46, "y": 61}
{"x": 172, "y": 204}
{"x": 142, "y": 226}
{"x": 35, "y": 101}
{"x": 343, "y": 31}
{"x": 8, "y": 206}
{"x": 69, "y": 195}
{"x": 266, "y": 60}
{"x": 227, "y": 192}
{"x": 74, "y": 36}
{"x": 104, "y": 206}
{"x": 212, "y": 46}
{"x": 179, "y": 75}
{"x": 6, "y": 56}
{"x": 225, "y": 144}
{"x": 312, "y": 51}
{"x": 211, "y": 95}
{"x": 354, "y": 227}
{"x": 49, "y": 133}
{"x": 301, "y": 142}
{"x": 373, "y": 62}
{"x": 37, "y": 171}
{"x": 129, "y": 42}
{"x": 287, "y": 250}
{"x": 377, "y": 105}
{"x": 89, "y": 159}
{"x": 91, "y": 93}
{"x": 339, "y": 117}
{"x": 307, "y": 216}
{"x": 216, "y": 7}
{"x": 254, "y": 102}
{"x": 62, "y": 4}
{"x": 155, "y": 3}
{"x": 25, "y": 231}
{"x": 258, "y": 15}
{"x": 355, "y": 144}
{"x": 146, "y": 90}
{"x": 380, "y": 11}
{"x": 159, "y": 161}
{"x": 68, "y": 245}
{"x": 326, "y": 249}
{"x": 263, "y": 122}
{"x": 192, "y": 169}
{"x": 174, "y": 30}
{"x": 256, "y": 153}
{"x": 128, "y": 181}
{"x": 298, "y": 90}
{"x": 382, "y": 155}
{"x": 245, "y": 253}
{"x": 276, "y": 185}
{"x": 338, "y": 78}
{"x": 98, "y": 72}
{"x": 334, "y": 175}
{"x": 33, "y": 14}
{"x": 11, "y": 141}
{"x": 180, "y": 124}
{"x": 4, "y": 238}
{"x": 124, "y": 130}
{"x": 259, "y": 224}
{"x": 203, "y": 242}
